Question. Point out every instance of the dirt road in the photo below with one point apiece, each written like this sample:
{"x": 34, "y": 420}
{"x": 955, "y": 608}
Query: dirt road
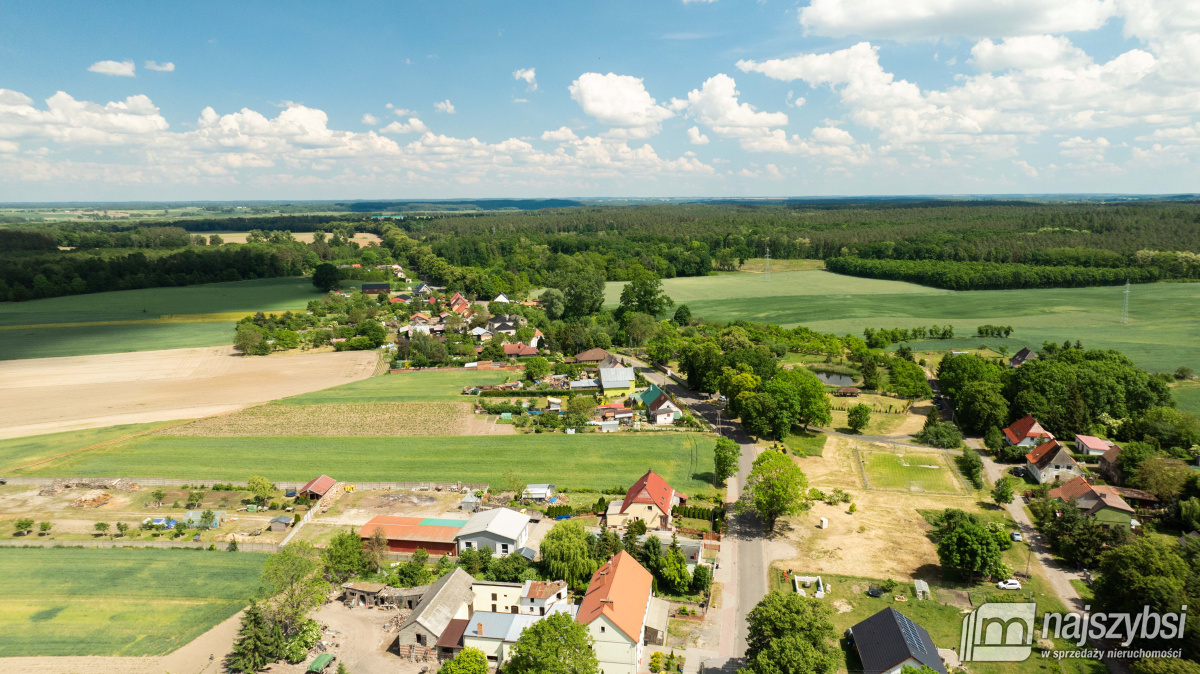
{"x": 48, "y": 395}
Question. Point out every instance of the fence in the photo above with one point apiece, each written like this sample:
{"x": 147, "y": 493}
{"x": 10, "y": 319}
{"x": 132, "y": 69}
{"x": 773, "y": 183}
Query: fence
{"x": 109, "y": 543}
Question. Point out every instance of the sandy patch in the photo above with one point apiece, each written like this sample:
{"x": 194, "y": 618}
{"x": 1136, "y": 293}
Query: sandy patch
{"x": 397, "y": 419}
{"x": 47, "y": 395}
{"x": 914, "y": 421}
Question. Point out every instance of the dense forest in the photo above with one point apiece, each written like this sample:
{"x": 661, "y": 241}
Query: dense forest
{"x": 956, "y": 245}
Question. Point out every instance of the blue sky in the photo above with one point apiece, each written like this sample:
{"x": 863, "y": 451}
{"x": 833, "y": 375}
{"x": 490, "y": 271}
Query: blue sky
{"x": 484, "y": 99}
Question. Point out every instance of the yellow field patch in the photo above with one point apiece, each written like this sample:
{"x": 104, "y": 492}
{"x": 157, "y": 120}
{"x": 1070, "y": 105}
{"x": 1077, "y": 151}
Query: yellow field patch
{"x": 215, "y": 317}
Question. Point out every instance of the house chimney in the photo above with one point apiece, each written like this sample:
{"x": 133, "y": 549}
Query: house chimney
{"x": 479, "y": 628}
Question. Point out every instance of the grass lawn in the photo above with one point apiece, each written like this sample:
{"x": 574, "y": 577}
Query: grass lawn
{"x": 886, "y": 470}
{"x": 74, "y": 601}
{"x": 801, "y": 443}
{"x": 1085, "y": 592}
{"x": 427, "y": 385}
{"x": 880, "y": 424}
{"x": 16, "y": 451}
{"x": 134, "y": 320}
{"x": 587, "y": 461}
{"x": 1162, "y": 334}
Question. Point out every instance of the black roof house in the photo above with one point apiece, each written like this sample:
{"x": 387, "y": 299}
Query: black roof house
{"x": 888, "y": 638}
{"x": 1020, "y": 357}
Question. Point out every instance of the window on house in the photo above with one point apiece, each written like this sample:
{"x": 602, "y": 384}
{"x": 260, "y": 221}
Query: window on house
{"x": 542, "y": 610}
{"x": 493, "y": 608}
{"x": 602, "y": 629}
{"x": 493, "y": 596}
{"x": 421, "y": 639}
{"x": 504, "y": 547}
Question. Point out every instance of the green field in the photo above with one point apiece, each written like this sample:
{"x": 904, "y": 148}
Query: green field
{"x": 589, "y": 460}
{"x": 23, "y": 450}
{"x": 1187, "y": 397}
{"x": 1163, "y": 332}
{"x": 74, "y": 601}
{"x": 134, "y": 317}
{"x": 893, "y": 471}
{"x": 428, "y": 386}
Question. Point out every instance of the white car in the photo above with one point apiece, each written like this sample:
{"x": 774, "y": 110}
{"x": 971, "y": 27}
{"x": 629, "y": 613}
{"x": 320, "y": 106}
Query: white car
{"x": 1010, "y": 584}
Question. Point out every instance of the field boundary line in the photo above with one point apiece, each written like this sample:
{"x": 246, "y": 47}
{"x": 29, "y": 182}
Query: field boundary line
{"x": 862, "y": 467}
{"x": 98, "y": 445}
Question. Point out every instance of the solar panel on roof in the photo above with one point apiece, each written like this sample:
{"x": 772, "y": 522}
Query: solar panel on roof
{"x": 911, "y": 632}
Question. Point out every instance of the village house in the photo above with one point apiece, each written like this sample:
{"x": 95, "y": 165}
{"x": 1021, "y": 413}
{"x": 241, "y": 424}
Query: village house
{"x": 650, "y": 499}
{"x": 422, "y": 289}
{"x": 1100, "y": 502}
{"x": 501, "y": 529}
{"x": 1021, "y": 357}
{"x": 616, "y": 609}
{"x": 495, "y": 633}
{"x": 1109, "y": 464}
{"x": 1051, "y": 462}
{"x": 448, "y": 599}
{"x": 376, "y": 288}
{"x": 888, "y": 641}
{"x": 591, "y": 356}
{"x": 1026, "y": 432}
{"x": 519, "y": 351}
{"x": 497, "y": 597}
{"x": 617, "y": 381}
{"x": 1091, "y": 446}
{"x": 502, "y": 298}
{"x": 661, "y": 411}
{"x": 538, "y": 492}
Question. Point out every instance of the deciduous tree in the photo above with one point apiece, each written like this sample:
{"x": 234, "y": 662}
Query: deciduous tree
{"x": 725, "y": 457}
{"x": 858, "y": 417}
{"x": 555, "y": 644}
{"x": 566, "y": 554}
{"x": 776, "y": 487}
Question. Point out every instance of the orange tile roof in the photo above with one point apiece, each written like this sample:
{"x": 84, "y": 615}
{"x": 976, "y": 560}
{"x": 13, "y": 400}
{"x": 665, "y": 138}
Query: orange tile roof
{"x": 408, "y": 529}
{"x": 1025, "y": 427}
{"x": 650, "y": 488}
{"x": 540, "y": 589}
{"x": 318, "y": 485}
{"x": 1041, "y": 451}
{"x": 620, "y": 590}
{"x": 1074, "y": 489}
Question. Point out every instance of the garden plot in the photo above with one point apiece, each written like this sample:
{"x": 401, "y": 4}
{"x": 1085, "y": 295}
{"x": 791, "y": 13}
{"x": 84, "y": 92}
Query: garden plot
{"x": 399, "y": 419}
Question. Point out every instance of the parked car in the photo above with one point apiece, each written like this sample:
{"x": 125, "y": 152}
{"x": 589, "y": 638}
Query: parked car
{"x": 1016, "y": 536}
{"x": 1019, "y": 471}
{"x": 722, "y": 399}
{"x": 1010, "y": 584}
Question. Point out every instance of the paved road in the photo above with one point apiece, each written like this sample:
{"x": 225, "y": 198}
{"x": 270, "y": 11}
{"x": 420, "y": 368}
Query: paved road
{"x": 744, "y": 534}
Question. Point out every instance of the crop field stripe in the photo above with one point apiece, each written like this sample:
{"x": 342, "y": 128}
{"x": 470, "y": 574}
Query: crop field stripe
{"x": 98, "y": 445}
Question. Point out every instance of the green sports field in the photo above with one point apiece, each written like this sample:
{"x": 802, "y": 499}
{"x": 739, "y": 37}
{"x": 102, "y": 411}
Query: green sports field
{"x": 132, "y": 320}
{"x": 1163, "y": 332}
{"x": 895, "y": 471}
{"x": 428, "y": 385}
{"x": 590, "y": 460}
{"x": 75, "y": 601}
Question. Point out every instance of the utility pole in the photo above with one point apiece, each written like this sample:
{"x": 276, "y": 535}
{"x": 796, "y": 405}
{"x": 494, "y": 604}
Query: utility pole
{"x": 768, "y": 274}
{"x": 1125, "y": 309}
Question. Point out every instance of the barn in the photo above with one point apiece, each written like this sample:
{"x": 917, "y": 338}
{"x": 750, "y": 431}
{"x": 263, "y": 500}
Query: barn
{"x": 407, "y": 534}
{"x": 317, "y": 488}
{"x": 376, "y": 288}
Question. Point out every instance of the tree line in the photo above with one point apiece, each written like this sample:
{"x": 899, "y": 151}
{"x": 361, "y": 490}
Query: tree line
{"x": 994, "y": 275}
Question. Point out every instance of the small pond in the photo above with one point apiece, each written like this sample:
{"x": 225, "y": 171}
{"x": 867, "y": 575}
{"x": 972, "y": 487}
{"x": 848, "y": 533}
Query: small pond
{"x": 834, "y": 379}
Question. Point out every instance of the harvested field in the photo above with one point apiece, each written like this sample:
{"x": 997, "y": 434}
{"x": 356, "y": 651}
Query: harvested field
{"x": 346, "y": 420}
{"x": 76, "y": 392}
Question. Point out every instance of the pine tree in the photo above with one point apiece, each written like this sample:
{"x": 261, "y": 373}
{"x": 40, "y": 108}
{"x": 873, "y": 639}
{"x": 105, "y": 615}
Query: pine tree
{"x": 257, "y": 643}
{"x": 932, "y": 418}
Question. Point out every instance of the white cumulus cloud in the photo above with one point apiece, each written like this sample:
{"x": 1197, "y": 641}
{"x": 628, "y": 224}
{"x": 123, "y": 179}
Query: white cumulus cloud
{"x": 934, "y": 19}
{"x": 369, "y": 119}
{"x": 528, "y": 76}
{"x": 117, "y": 68}
{"x": 561, "y": 135}
{"x": 715, "y": 104}
{"x": 167, "y": 67}
{"x": 1028, "y": 52}
{"x": 621, "y": 102}
{"x": 444, "y": 106}
{"x": 413, "y": 125}
{"x": 695, "y": 137}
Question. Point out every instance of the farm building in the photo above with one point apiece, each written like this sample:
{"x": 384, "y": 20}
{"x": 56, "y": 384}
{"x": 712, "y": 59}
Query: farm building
{"x": 649, "y": 499}
{"x": 376, "y": 288}
{"x": 317, "y": 488}
{"x": 888, "y": 641}
{"x": 281, "y": 523}
{"x": 406, "y": 534}
{"x": 847, "y": 392}
{"x": 585, "y": 384}
{"x": 501, "y": 529}
{"x": 470, "y": 503}
{"x": 447, "y": 601}
{"x": 538, "y": 492}
{"x": 1089, "y": 445}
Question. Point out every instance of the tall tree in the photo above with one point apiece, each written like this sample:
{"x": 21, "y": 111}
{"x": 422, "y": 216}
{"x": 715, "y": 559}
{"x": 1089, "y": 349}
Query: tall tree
{"x": 292, "y": 582}
{"x": 553, "y": 303}
{"x": 343, "y": 556}
{"x": 811, "y": 405}
{"x": 858, "y": 417}
{"x": 566, "y": 554}
{"x": 776, "y": 487}
{"x": 583, "y": 293}
{"x": 643, "y": 293}
{"x": 790, "y": 633}
{"x": 325, "y": 277}
{"x": 256, "y": 646}
{"x": 555, "y": 644}
{"x": 725, "y": 457}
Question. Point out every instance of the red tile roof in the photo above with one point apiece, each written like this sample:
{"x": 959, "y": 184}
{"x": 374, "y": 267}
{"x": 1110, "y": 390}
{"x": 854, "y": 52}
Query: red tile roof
{"x": 1091, "y": 442}
{"x": 591, "y": 356}
{"x": 319, "y": 485}
{"x": 620, "y": 590}
{"x": 1075, "y": 489}
{"x": 519, "y": 350}
{"x": 1044, "y": 452}
{"x": 1111, "y": 455}
{"x": 1090, "y": 496}
{"x": 409, "y": 529}
{"x": 650, "y": 488}
{"x": 540, "y": 589}
{"x": 1026, "y": 427}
